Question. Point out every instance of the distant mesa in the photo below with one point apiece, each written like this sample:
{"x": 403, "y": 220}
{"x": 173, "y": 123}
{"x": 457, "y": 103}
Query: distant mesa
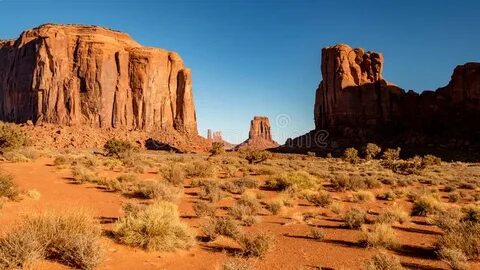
{"x": 76, "y": 75}
{"x": 216, "y": 136}
{"x": 260, "y": 135}
{"x": 355, "y": 104}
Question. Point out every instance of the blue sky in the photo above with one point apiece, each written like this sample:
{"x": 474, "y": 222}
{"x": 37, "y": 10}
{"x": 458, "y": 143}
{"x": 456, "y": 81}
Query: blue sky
{"x": 263, "y": 57}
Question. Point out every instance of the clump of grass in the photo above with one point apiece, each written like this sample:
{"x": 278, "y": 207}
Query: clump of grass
{"x": 275, "y": 207}
{"x": 431, "y": 160}
{"x": 383, "y": 261}
{"x": 344, "y": 182}
{"x": 119, "y": 148}
{"x": 155, "y": 228}
{"x": 380, "y": 235}
{"x": 425, "y": 205}
{"x": 364, "y": 196}
{"x": 471, "y": 213}
{"x": 371, "y": 151}
{"x": 12, "y": 137}
{"x": 256, "y": 245}
{"x": 317, "y": 234}
{"x": 454, "y": 197}
{"x": 216, "y": 226}
{"x": 246, "y": 209}
{"x": 393, "y": 215}
{"x": 151, "y": 189}
{"x": 71, "y": 238}
{"x": 298, "y": 180}
{"x": 236, "y": 264}
{"x": 354, "y": 218}
{"x": 81, "y": 175}
{"x": 200, "y": 169}
{"x": 323, "y": 199}
{"x": 203, "y": 209}
{"x": 209, "y": 190}
{"x": 239, "y": 186}
{"x": 174, "y": 174}
{"x": 351, "y": 155}
{"x": 455, "y": 258}
{"x": 463, "y": 236}
{"x": 8, "y": 189}
{"x": 62, "y": 160}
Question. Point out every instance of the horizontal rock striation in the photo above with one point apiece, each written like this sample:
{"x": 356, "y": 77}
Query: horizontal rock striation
{"x": 88, "y": 75}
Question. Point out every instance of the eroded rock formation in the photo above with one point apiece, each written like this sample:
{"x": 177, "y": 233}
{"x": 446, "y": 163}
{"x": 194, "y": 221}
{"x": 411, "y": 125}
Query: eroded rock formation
{"x": 88, "y": 75}
{"x": 354, "y": 104}
{"x": 260, "y": 135}
{"x": 216, "y": 136}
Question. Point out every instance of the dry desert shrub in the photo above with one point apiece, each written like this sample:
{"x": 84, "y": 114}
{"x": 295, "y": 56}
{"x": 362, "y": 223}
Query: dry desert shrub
{"x": 372, "y": 151}
{"x": 363, "y": 196}
{"x": 69, "y": 237}
{"x": 317, "y": 234}
{"x": 393, "y": 215}
{"x": 209, "y": 190}
{"x": 82, "y": 174}
{"x": 471, "y": 213}
{"x": 200, "y": 169}
{"x": 431, "y": 160}
{"x": 344, "y": 182}
{"x": 216, "y": 226}
{"x": 240, "y": 185}
{"x": 203, "y": 209}
{"x": 151, "y": 189}
{"x": 236, "y": 264}
{"x": 380, "y": 235}
{"x": 256, "y": 245}
{"x": 8, "y": 189}
{"x": 425, "y": 205}
{"x": 322, "y": 198}
{"x": 12, "y": 137}
{"x": 218, "y": 148}
{"x": 351, "y": 155}
{"x": 299, "y": 180}
{"x": 118, "y": 148}
{"x": 157, "y": 227}
{"x": 462, "y": 236}
{"x": 455, "y": 258}
{"x": 275, "y": 207}
{"x": 383, "y": 261}
{"x": 245, "y": 209}
{"x": 354, "y": 218}
{"x": 255, "y": 156}
{"x": 174, "y": 174}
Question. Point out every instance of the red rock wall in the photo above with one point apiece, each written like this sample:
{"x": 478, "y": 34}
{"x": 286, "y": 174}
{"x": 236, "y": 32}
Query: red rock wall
{"x": 70, "y": 75}
{"x": 354, "y": 96}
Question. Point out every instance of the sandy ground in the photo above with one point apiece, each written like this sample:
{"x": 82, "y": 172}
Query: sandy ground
{"x": 294, "y": 249}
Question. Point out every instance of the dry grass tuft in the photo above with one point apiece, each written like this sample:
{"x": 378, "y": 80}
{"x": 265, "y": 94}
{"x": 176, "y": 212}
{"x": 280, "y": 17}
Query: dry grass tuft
{"x": 157, "y": 227}
{"x": 70, "y": 237}
{"x": 380, "y": 235}
{"x": 383, "y": 261}
{"x": 8, "y": 188}
{"x": 354, "y": 218}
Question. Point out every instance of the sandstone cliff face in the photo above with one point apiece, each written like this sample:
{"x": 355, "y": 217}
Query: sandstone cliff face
{"x": 260, "y": 135}
{"x": 354, "y": 104}
{"x": 88, "y": 75}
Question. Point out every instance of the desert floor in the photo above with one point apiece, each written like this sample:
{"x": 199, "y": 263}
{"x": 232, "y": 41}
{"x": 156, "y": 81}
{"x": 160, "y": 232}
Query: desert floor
{"x": 293, "y": 248}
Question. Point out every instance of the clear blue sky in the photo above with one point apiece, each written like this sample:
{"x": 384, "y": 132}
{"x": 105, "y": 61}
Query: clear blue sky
{"x": 263, "y": 57}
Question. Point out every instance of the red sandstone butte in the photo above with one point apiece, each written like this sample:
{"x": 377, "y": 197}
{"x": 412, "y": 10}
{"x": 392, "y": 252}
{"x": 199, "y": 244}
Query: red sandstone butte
{"x": 260, "y": 135}
{"x": 355, "y": 104}
{"x": 88, "y": 75}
